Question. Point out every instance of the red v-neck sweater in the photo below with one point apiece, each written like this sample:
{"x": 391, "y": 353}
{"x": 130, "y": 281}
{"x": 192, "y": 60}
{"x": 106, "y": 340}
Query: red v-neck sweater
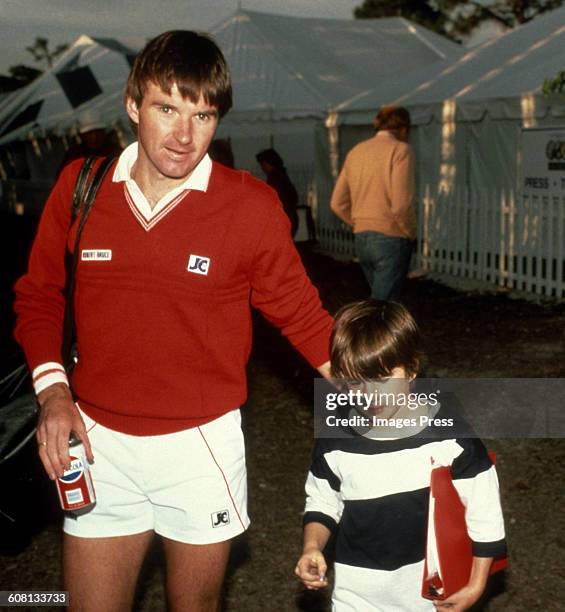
{"x": 161, "y": 347}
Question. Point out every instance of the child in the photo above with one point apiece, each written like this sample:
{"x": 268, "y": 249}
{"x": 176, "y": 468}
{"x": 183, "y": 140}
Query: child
{"x": 374, "y": 490}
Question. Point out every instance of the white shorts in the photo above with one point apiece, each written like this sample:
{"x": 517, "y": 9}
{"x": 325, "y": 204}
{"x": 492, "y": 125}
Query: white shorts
{"x": 189, "y": 486}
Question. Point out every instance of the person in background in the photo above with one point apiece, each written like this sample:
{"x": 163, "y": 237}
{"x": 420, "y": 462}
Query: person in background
{"x": 220, "y": 150}
{"x": 374, "y": 194}
{"x": 93, "y": 139}
{"x": 277, "y": 177}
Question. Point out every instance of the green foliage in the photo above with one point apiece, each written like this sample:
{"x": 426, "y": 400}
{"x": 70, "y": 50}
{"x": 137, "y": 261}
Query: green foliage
{"x": 457, "y": 18}
{"x": 41, "y": 52}
{"x": 416, "y": 10}
{"x": 21, "y": 74}
{"x": 555, "y": 85}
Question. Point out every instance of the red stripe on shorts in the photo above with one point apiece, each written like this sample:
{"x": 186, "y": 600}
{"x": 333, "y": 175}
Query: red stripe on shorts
{"x": 223, "y": 476}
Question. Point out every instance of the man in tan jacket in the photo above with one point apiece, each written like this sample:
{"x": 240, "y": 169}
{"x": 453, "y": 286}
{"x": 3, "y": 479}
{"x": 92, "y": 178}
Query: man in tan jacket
{"x": 374, "y": 194}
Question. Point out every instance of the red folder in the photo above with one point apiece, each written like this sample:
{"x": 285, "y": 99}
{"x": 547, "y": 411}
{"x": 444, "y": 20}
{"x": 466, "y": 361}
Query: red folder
{"x": 454, "y": 546}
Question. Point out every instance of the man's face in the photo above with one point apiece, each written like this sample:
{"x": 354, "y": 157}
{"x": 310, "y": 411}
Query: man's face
{"x": 173, "y": 133}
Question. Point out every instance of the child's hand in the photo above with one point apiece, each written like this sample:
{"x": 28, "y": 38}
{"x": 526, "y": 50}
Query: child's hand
{"x": 311, "y": 569}
{"x": 469, "y": 594}
{"x": 462, "y": 600}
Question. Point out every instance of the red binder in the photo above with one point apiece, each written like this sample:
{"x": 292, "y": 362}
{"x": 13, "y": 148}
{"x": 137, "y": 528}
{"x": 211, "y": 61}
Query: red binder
{"x": 454, "y": 546}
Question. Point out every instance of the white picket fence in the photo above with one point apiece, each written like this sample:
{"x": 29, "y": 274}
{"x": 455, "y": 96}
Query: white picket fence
{"x": 503, "y": 239}
{"x": 516, "y": 242}
{"x": 508, "y": 241}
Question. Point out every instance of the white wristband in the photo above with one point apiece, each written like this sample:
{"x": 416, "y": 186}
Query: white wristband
{"x": 48, "y": 374}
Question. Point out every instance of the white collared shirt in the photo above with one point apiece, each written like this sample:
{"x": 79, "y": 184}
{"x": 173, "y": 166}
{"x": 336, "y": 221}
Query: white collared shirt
{"x": 198, "y": 180}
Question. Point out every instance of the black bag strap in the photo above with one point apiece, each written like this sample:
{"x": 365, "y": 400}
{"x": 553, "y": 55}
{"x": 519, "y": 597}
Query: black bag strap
{"x": 80, "y": 186}
{"x": 86, "y": 188}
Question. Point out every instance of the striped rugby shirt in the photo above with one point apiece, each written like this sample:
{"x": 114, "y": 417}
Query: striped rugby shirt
{"x": 375, "y": 495}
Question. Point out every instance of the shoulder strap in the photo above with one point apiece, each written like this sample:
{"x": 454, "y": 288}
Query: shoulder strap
{"x": 84, "y": 195}
{"x": 80, "y": 186}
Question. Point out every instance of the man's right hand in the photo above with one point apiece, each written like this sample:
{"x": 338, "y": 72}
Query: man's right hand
{"x": 58, "y": 417}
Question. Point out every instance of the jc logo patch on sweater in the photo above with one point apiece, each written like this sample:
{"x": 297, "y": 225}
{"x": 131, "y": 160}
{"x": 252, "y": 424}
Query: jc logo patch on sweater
{"x": 198, "y": 264}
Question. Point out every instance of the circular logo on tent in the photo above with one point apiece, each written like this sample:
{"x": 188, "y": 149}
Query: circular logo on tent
{"x": 555, "y": 149}
{"x": 75, "y": 472}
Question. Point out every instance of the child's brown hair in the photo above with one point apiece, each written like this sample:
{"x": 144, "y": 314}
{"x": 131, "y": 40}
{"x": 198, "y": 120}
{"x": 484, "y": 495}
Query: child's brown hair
{"x": 372, "y": 337}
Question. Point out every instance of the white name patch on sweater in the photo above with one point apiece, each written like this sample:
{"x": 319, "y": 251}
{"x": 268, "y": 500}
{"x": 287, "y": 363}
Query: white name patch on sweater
{"x": 96, "y": 255}
{"x": 198, "y": 264}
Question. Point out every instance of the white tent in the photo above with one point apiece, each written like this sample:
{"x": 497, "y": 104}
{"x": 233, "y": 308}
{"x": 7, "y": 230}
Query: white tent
{"x": 82, "y": 90}
{"x": 283, "y": 68}
{"x": 287, "y": 67}
{"x": 470, "y": 112}
{"x": 86, "y": 81}
{"x": 476, "y": 118}
{"x": 289, "y": 72}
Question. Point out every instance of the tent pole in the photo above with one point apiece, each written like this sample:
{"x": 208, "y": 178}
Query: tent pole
{"x": 333, "y": 142}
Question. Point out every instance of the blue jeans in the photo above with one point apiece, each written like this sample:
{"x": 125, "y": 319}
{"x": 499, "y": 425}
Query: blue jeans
{"x": 385, "y": 261}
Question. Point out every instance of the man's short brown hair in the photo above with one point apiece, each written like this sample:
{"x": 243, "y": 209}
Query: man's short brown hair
{"x": 372, "y": 337}
{"x": 188, "y": 59}
{"x": 391, "y": 118}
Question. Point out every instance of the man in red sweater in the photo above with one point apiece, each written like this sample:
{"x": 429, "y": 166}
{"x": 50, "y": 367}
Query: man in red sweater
{"x": 173, "y": 253}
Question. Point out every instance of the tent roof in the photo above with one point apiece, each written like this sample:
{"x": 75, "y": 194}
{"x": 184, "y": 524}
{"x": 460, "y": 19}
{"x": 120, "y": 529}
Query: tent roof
{"x": 285, "y": 67}
{"x": 509, "y": 67}
{"x": 84, "y": 85}
{"x": 282, "y": 68}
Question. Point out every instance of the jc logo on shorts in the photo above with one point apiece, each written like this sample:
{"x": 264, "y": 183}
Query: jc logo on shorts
{"x": 221, "y": 518}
